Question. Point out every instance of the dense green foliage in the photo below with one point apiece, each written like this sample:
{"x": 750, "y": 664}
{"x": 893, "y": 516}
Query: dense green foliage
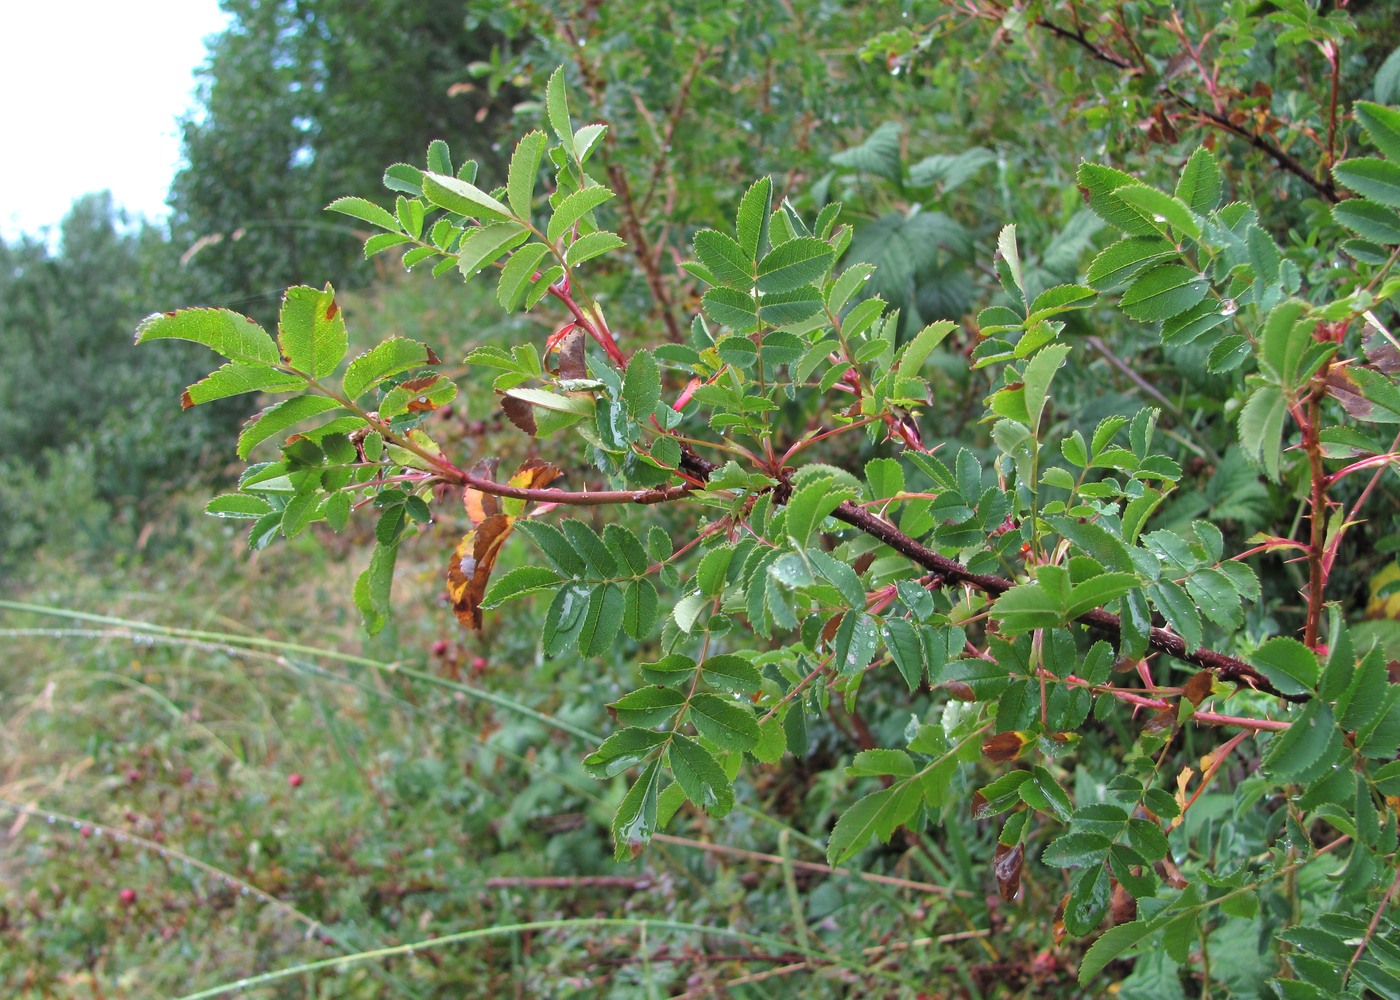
{"x": 978, "y": 429}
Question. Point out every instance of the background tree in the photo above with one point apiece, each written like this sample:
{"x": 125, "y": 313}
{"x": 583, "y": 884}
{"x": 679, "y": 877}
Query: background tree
{"x": 300, "y": 100}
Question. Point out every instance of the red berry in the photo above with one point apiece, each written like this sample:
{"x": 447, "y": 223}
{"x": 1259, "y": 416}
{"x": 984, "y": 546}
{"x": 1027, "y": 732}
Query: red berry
{"x": 85, "y": 832}
{"x": 294, "y": 780}
{"x": 128, "y": 896}
{"x": 478, "y": 663}
{"x": 440, "y": 647}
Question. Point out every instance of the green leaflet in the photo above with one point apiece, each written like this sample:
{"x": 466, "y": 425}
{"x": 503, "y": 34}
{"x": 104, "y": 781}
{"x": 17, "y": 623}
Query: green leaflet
{"x": 311, "y": 331}
{"x": 635, "y": 820}
{"x": 1162, "y": 292}
{"x": 641, "y": 386}
{"x": 794, "y": 264}
{"x": 878, "y": 814}
{"x": 238, "y": 377}
{"x": 365, "y": 211}
{"x": 725, "y": 258}
{"x": 373, "y": 587}
{"x": 1199, "y": 187}
{"x": 574, "y": 208}
{"x": 463, "y": 198}
{"x": 278, "y": 418}
{"x": 524, "y": 167}
{"x": 222, "y": 330}
{"x": 700, "y": 776}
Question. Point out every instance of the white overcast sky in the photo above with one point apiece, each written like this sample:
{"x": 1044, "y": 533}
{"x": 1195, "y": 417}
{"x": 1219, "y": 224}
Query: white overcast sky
{"x": 92, "y": 91}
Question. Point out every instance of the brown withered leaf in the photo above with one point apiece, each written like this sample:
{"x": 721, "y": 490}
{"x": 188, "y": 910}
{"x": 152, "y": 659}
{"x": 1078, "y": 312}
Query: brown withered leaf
{"x": 960, "y": 690}
{"x": 1199, "y": 687}
{"x": 534, "y": 474}
{"x": 1170, "y": 873}
{"x": 1007, "y": 867}
{"x": 1381, "y": 349}
{"x": 520, "y": 413}
{"x": 470, "y": 567}
{"x": 480, "y": 506}
{"x": 1343, "y": 388}
{"x": 1003, "y": 747}
{"x": 829, "y": 629}
{"x": 414, "y": 385}
{"x": 1058, "y": 924}
{"x": 1160, "y": 722}
{"x": 1122, "y": 907}
{"x": 571, "y": 355}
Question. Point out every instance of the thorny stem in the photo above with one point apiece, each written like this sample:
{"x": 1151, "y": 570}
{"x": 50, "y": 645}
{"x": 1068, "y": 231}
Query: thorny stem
{"x": 1216, "y": 758}
{"x": 1370, "y": 487}
{"x": 594, "y": 329}
{"x": 949, "y": 571}
{"x": 1162, "y": 705}
{"x": 1371, "y": 928}
{"x": 1317, "y": 507}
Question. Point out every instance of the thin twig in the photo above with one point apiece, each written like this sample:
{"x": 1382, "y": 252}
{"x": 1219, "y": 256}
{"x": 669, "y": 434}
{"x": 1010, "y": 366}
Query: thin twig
{"x": 1371, "y": 929}
{"x": 1325, "y": 188}
{"x": 952, "y": 572}
{"x": 813, "y": 866}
